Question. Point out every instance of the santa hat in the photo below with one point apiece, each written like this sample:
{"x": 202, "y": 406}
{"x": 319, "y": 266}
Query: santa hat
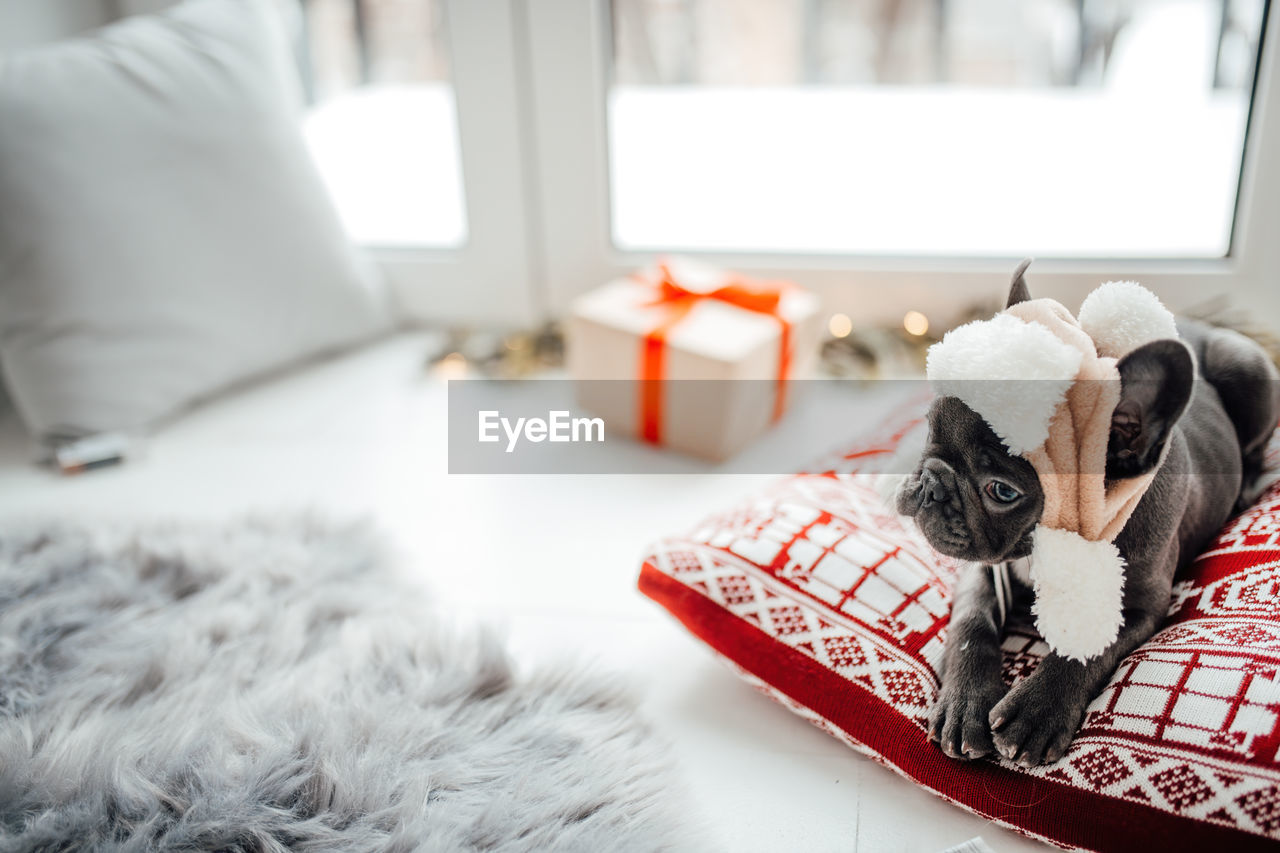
{"x": 1060, "y": 422}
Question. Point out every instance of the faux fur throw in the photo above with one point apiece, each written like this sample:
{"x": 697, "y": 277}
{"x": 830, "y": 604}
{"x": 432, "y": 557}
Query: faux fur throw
{"x": 1048, "y": 385}
{"x": 275, "y": 687}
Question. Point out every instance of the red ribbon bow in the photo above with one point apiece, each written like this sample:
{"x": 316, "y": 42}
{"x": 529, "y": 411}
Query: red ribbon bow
{"x": 762, "y": 297}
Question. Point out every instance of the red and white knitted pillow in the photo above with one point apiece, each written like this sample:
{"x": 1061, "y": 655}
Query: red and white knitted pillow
{"x": 827, "y": 602}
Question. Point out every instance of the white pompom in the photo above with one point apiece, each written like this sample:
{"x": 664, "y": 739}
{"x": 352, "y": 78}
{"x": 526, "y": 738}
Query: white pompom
{"x": 1121, "y": 316}
{"x": 1079, "y": 587}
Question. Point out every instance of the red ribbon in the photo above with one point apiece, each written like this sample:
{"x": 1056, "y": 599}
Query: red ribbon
{"x": 762, "y": 297}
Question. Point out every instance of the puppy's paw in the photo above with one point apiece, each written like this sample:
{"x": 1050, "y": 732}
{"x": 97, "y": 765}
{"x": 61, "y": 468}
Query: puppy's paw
{"x": 1034, "y": 724}
{"x": 958, "y": 722}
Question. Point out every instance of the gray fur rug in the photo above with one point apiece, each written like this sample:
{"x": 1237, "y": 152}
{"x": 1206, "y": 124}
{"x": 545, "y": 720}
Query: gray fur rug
{"x": 272, "y": 687}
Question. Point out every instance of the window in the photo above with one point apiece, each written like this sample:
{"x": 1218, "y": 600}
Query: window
{"x": 890, "y": 160}
{"x": 980, "y": 128}
{"x": 382, "y": 124}
{"x": 415, "y": 124}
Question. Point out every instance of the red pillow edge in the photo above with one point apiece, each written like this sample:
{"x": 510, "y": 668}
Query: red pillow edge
{"x": 983, "y": 787}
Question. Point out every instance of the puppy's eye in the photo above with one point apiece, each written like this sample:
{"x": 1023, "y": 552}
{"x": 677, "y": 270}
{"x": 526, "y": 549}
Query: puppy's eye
{"x": 1002, "y": 492}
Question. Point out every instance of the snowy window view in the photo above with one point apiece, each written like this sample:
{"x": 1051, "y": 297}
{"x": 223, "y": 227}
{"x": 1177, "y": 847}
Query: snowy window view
{"x": 1067, "y": 128}
{"x": 383, "y": 127}
{"x": 1058, "y": 128}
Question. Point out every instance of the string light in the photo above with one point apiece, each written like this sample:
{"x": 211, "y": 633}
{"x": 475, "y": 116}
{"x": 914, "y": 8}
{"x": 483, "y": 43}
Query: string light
{"x": 452, "y": 366}
{"x": 840, "y": 325}
{"x": 915, "y": 323}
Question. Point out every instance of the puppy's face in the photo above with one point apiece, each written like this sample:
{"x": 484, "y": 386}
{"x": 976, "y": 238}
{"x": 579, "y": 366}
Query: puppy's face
{"x": 969, "y": 496}
{"x": 974, "y": 501}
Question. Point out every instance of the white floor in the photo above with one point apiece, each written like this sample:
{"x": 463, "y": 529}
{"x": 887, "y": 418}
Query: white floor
{"x": 553, "y": 558}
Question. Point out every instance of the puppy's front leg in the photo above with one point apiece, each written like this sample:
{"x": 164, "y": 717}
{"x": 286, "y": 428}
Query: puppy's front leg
{"x": 1039, "y": 717}
{"x": 971, "y": 683}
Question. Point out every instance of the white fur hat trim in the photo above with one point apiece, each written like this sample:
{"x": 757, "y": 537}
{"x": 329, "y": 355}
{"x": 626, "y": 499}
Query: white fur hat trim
{"x": 1121, "y": 316}
{"x": 1079, "y": 588}
{"x": 1027, "y": 371}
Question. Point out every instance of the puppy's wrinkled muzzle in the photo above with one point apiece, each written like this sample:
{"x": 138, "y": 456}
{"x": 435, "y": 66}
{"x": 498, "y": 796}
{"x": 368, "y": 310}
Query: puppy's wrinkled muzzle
{"x": 937, "y": 482}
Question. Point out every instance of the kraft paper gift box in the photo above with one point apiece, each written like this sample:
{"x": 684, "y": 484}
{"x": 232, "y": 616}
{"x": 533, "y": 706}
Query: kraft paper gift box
{"x": 691, "y": 357}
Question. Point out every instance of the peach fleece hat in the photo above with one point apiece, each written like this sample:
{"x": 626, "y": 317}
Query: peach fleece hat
{"x": 1047, "y": 384}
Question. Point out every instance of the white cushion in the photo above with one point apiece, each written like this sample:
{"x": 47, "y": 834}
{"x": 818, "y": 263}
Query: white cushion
{"x": 163, "y": 231}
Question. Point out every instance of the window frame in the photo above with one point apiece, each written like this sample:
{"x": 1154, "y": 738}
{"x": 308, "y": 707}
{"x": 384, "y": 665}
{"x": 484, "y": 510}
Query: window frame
{"x": 491, "y": 279}
{"x": 531, "y": 81}
{"x": 569, "y": 43}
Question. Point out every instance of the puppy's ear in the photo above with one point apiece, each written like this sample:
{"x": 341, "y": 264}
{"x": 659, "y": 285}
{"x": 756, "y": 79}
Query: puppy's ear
{"x": 1155, "y": 387}
{"x": 1018, "y": 290}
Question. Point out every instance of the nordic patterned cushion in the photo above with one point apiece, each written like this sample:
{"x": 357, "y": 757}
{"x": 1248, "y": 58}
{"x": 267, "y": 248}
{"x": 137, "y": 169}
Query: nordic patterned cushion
{"x": 822, "y": 598}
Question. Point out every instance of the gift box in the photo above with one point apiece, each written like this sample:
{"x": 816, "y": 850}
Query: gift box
{"x": 691, "y": 357}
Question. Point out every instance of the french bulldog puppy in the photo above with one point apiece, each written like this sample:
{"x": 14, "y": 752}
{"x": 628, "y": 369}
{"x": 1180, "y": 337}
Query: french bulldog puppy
{"x": 975, "y": 501}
